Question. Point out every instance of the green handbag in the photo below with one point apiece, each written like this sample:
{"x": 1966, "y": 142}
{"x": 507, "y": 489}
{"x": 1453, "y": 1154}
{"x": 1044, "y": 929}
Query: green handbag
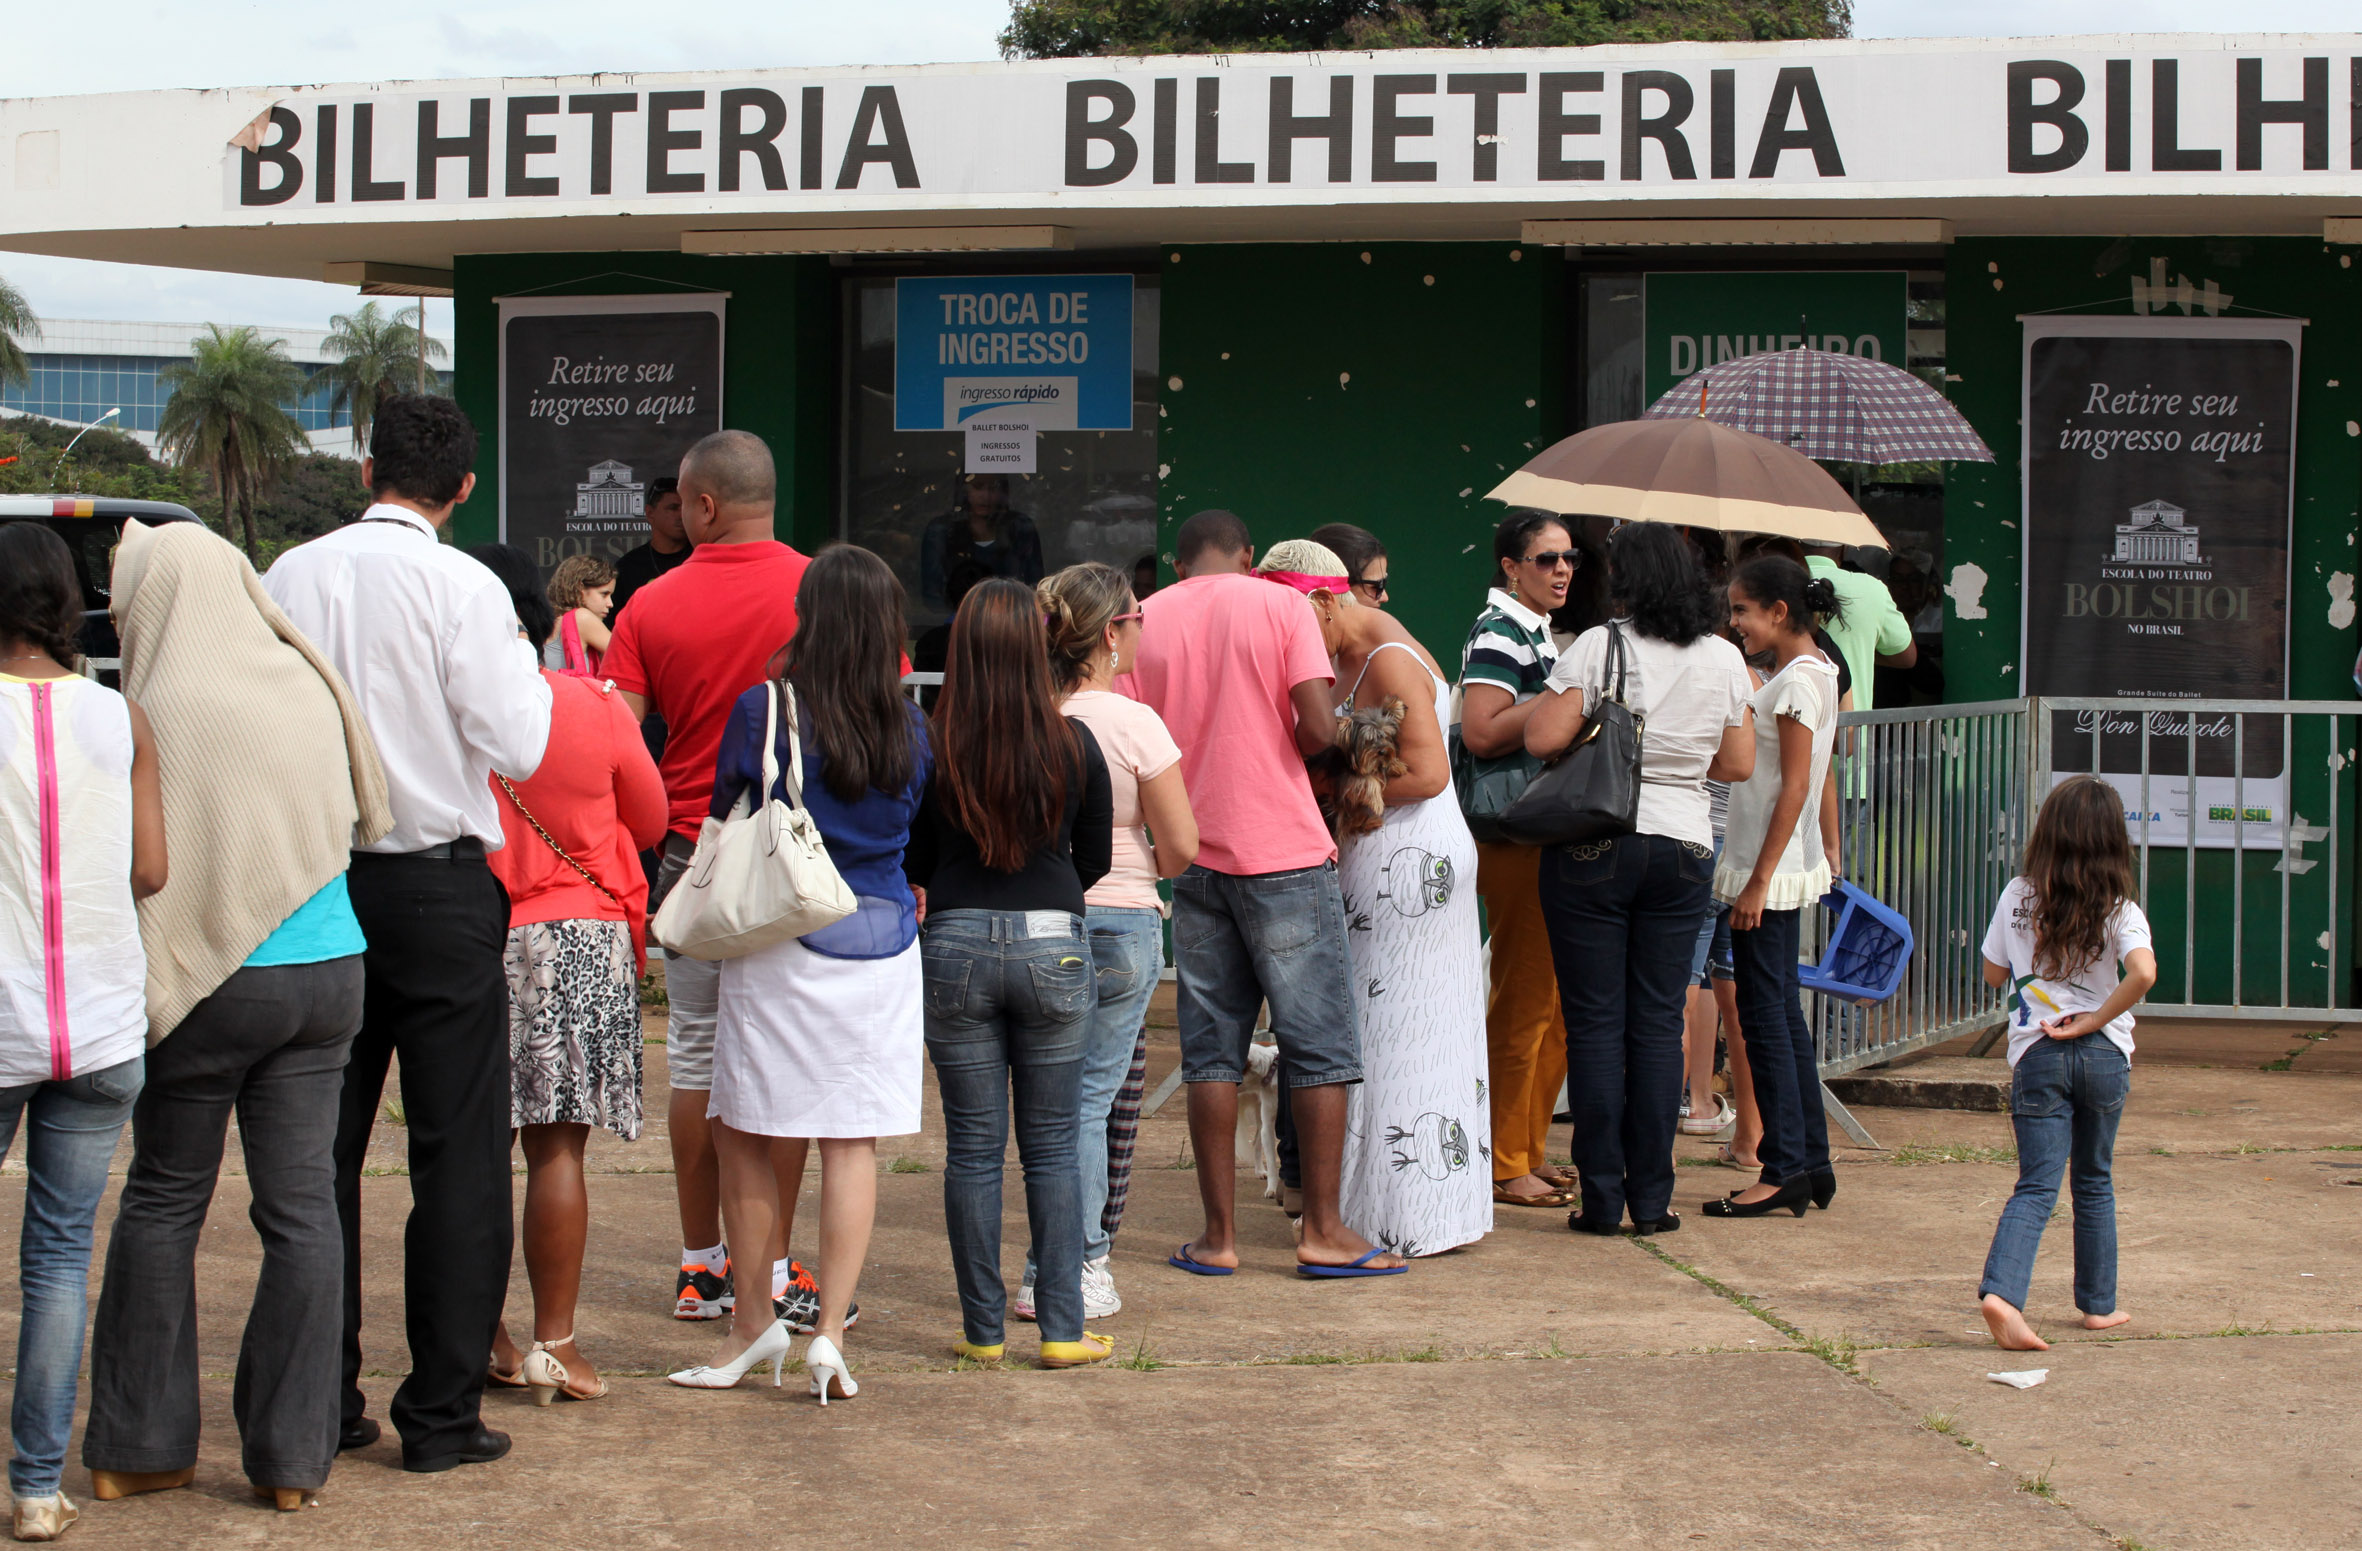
{"x": 1486, "y": 787}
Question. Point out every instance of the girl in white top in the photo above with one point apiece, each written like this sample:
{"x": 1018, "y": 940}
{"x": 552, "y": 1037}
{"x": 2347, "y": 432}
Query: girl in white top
{"x": 1777, "y": 859}
{"x": 1093, "y": 627}
{"x": 81, "y": 837}
{"x": 2069, "y": 938}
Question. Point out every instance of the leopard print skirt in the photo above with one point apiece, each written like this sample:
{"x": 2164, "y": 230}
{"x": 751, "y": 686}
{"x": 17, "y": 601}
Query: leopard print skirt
{"x": 574, "y": 1026}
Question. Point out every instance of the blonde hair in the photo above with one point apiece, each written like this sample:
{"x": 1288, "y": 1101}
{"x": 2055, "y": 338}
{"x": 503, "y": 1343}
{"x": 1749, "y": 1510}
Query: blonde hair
{"x": 1078, "y": 604}
{"x": 1306, "y": 558}
{"x": 576, "y": 575}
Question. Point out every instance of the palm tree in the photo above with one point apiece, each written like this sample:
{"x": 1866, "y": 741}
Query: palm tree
{"x": 228, "y": 415}
{"x": 376, "y": 356}
{"x": 17, "y": 323}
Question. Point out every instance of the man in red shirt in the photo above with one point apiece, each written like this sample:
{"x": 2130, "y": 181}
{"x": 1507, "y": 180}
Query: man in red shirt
{"x": 693, "y": 641}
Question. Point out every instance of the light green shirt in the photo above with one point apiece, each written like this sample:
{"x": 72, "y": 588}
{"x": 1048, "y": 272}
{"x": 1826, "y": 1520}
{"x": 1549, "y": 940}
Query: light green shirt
{"x": 1868, "y": 627}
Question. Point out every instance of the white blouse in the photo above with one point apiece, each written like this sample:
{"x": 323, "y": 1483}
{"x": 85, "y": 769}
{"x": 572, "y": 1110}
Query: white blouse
{"x": 73, "y": 979}
{"x": 1807, "y": 690}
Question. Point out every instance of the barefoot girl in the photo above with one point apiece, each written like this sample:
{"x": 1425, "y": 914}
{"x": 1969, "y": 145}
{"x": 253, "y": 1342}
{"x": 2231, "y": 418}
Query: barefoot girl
{"x": 2058, "y": 935}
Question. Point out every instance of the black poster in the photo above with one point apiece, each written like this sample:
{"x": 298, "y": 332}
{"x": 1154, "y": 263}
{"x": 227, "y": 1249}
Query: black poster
{"x": 600, "y": 396}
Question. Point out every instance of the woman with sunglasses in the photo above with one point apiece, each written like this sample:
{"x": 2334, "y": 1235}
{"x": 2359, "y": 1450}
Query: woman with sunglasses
{"x": 1364, "y": 557}
{"x": 1503, "y": 670}
{"x": 1093, "y": 624}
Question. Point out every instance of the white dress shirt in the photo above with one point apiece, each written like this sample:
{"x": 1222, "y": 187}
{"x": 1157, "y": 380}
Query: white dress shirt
{"x": 428, "y": 640}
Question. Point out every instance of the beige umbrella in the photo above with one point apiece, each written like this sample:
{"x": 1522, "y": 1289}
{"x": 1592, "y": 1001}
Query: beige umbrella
{"x": 1692, "y": 471}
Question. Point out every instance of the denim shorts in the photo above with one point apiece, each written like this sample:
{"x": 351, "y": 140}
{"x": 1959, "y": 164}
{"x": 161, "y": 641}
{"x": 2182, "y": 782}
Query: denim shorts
{"x": 1241, "y": 940}
{"x": 1712, "y": 961}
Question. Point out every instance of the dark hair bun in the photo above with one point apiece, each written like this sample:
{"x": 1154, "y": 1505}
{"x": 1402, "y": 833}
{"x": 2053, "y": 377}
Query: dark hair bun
{"x": 1820, "y": 594}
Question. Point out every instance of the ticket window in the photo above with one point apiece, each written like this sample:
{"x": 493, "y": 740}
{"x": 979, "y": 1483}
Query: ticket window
{"x": 906, "y": 495}
{"x": 1906, "y": 501}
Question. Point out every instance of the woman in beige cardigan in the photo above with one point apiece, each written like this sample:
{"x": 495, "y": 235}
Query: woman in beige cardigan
{"x": 254, "y": 995}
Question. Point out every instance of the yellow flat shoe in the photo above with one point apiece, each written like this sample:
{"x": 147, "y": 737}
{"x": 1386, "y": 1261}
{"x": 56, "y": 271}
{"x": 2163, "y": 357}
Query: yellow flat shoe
{"x": 978, "y": 1354}
{"x": 1092, "y": 1348}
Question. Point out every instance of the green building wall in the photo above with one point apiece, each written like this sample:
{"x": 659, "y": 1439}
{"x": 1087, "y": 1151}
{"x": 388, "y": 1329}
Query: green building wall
{"x": 1384, "y": 384}
{"x": 779, "y": 361}
{"x": 1990, "y": 283}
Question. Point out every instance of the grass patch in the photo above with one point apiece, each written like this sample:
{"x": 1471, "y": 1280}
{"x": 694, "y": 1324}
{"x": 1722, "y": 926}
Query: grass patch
{"x": 2038, "y": 1484}
{"x": 1946, "y": 1424}
{"x": 1315, "y": 1360}
{"x": 1952, "y": 1152}
{"x": 387, "y": 1171}
{"x": 1424, "y": 1354}
{"x": 2161, "y": 1152}
{"x": 1185, "y": 1159}
{"x": 909, "y": 1165}
{"x": 1142, "y": 1359}
{"x": 1554, "y": 1349}
{"x": 394, "y": 1111}
{"x": 2284, "y": 1064}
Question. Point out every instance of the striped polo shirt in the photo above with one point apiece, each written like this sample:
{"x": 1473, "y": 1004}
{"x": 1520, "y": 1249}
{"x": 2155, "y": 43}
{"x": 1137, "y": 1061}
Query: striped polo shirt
{"x": 1510, "y": 646}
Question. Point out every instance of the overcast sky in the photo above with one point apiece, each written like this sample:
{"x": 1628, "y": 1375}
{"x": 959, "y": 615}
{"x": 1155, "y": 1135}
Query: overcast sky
{"x": 55, "y": 49}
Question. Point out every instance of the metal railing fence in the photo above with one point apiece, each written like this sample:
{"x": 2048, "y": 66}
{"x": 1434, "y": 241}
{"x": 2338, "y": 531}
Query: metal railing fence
{"x": 2242, "y": 814}
{"x": 1932, "y": 819}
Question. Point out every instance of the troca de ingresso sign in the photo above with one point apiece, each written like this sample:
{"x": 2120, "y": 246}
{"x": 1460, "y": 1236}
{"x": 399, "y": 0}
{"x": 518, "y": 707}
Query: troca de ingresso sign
{"x": 1370, "y": 127}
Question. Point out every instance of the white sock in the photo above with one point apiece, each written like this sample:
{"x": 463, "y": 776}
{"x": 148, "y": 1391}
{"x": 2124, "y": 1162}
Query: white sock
{"x": 712, "y": 1259}
{"x": 779, "y": 1275}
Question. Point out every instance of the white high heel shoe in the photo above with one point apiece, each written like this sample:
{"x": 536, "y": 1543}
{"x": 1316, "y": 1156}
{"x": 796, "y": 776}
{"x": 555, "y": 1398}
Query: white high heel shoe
{"x": 771, "y": 1347}
{"x": 827, "y": 1367}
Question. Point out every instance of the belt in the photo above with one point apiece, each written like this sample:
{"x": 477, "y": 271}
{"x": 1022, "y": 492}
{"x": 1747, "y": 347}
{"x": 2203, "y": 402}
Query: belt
{"x": 467, "y": 848}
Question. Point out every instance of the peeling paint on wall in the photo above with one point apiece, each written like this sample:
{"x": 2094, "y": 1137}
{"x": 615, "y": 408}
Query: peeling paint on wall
{"x": 1967, "y": 590}
{"x": 2341, "y": 599}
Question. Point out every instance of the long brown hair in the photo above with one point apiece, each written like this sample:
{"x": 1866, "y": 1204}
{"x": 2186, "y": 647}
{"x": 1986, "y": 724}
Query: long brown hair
{"x": 2079, "y": 865}
{"x": 845, "y": 661}
{"x": 1003, "y": 752}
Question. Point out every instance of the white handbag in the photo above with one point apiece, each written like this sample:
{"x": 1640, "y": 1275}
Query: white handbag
{"x": 761, "y": 875}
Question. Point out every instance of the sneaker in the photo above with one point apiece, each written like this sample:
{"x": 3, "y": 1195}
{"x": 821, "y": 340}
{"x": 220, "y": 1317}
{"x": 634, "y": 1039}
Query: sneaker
{"x": 44, "y": 1518}
{"x": 1099, "y": 1296}
{"x": 700, "y": 1293}
{"x": 800, "y": 1306}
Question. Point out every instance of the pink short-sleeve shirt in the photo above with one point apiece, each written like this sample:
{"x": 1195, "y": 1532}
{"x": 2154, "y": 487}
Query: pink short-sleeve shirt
{"x": 1138, "y": 749}
{"x": 1219, "y": 656}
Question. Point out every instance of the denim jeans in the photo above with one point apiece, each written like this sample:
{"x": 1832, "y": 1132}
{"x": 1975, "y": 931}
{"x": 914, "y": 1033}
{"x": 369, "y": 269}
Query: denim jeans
{"x": 70, "y": 1140}
{"x": 1623, "y": 916}
{"x": 1781, "y": 1059}
{"x": 1009, "y": 999}
{"x": 2065, "y": 1098}
{"x": 1128, "y": 949}
{"x": 1241, "y": 940}
{"x": 270, "y": 1046}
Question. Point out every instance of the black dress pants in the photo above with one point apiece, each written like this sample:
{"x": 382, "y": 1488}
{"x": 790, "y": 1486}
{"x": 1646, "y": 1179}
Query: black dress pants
{"x": 435, "y": 995}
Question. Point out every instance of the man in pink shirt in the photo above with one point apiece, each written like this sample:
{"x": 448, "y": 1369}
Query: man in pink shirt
{"x": 1237, "y": 669}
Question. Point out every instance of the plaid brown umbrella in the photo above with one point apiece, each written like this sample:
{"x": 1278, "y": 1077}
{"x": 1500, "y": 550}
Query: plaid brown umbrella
{"x": 1691, "y": 471}
{"x": 1828, "y": 405}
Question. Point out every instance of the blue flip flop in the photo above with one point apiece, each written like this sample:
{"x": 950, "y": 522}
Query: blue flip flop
{"x": 1182, "y": 1260}
{"x": 1361, "y": 1267}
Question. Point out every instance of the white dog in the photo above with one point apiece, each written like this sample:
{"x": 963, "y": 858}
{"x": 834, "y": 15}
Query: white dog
{"x": 1258, "y": 1116}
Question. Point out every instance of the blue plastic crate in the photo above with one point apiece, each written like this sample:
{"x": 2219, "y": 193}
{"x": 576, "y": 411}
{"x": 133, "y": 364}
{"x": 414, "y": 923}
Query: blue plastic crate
{"x": 1869, "y": 946}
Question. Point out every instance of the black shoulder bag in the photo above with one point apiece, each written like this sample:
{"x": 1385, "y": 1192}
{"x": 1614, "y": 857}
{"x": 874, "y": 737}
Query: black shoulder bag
{"x": 1592, "y": 791}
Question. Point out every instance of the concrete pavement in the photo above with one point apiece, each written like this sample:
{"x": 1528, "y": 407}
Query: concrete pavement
{"x": 1773, "y": 1382}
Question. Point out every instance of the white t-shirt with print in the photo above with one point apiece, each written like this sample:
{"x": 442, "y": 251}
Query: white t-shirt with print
{"x": 2009, "y": 942}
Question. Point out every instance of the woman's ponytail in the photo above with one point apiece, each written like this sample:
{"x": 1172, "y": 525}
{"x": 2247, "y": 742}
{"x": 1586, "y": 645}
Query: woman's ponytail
{"x": 1810, "y": 599}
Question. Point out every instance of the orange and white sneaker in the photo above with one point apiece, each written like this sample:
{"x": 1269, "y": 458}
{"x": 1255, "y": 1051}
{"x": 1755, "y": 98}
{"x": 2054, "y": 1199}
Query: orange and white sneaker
{"x": 702, "y": 1293}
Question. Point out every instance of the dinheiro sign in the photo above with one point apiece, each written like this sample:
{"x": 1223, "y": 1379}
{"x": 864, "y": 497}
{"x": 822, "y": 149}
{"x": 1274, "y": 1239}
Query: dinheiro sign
{"x": 1996, "y": 117}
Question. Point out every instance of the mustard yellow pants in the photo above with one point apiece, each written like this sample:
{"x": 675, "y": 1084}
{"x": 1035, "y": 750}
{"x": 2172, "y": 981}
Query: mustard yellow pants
{"x": 1525, "y": 1033}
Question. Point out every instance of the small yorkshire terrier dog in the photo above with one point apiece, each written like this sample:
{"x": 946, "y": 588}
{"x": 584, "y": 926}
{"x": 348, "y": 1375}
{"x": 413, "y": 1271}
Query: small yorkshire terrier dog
{"x": 1359, "y": 762}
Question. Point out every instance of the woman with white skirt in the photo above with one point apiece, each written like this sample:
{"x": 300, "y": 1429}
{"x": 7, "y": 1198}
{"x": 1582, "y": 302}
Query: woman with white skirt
{"x": 819, "y": 1037}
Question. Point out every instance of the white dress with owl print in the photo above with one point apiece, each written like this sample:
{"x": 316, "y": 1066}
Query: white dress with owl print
{"x": 1418, "y": 1132}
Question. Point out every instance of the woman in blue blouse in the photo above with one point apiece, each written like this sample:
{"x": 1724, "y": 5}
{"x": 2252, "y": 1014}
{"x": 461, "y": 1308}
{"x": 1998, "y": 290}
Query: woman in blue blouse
{"x": 819, "y": 1038}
